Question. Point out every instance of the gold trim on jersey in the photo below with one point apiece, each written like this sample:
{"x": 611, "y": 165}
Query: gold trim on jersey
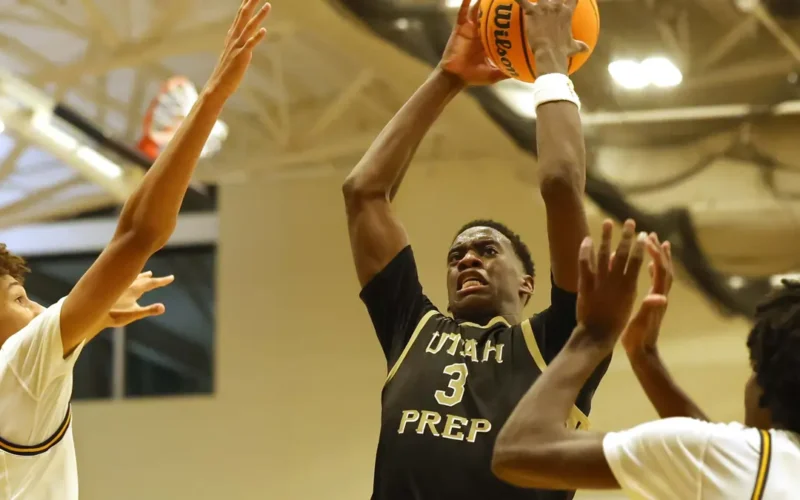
{"x": 763, "y": 465}
{"x": 38, "y": 449}
{"x": 410, "y": 342}
{"x": 492, "y": 322}
{"x": 577, "y": 419}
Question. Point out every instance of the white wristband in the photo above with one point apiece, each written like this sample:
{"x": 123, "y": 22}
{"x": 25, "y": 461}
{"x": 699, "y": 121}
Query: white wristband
{"x": 554, "y": 87}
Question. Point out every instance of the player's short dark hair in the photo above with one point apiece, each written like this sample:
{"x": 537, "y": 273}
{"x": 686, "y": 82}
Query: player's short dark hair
{"x": 520, "y": 248}
{"x": 774, "y": 344}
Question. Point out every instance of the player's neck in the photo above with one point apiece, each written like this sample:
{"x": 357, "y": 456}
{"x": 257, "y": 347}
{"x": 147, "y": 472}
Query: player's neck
{"x": 512, "y": 318}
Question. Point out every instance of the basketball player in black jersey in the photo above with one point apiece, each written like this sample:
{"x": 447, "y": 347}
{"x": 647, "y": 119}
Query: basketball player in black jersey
{"x": 453, "y": 381}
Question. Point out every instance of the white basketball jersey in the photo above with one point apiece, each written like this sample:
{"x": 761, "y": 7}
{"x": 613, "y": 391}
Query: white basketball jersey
{"x": 37, "y": 451}
{"x": 679, "y": 458}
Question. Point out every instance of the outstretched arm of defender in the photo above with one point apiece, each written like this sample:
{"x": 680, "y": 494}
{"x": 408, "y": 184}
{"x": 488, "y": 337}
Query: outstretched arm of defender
{"x": 150, "y": 214}
{"x": 559, "y": 137}
{"x": 640, "y": 340}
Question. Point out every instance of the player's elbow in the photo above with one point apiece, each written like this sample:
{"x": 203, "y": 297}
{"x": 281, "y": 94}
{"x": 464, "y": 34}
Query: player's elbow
{"x": 516, "y": 457}
{"x": 356, "y": 190}
{"x": 502, "y": 461}
{"x": 514, "y": 465}
{"x": 559, "y": 179}
{"x": 146, "y": 238}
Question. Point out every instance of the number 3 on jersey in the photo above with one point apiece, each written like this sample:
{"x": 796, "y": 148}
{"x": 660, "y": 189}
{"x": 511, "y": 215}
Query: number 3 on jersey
{"x": 458, "y": 373}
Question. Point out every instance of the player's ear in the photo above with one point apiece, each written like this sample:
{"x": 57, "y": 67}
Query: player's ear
{"x": 526, "y": 288}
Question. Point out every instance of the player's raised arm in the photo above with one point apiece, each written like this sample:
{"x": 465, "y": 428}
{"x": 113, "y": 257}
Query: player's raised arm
{"x": 559, "y": 134}
{"x": 149, "y": 216}
{"x": 376, "y": 235}
{"x": 641, "y": 337}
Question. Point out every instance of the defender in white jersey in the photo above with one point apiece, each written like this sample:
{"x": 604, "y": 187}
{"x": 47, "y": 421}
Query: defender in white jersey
{"x": 39, "y": 347}
{"x": 682, "y": 456}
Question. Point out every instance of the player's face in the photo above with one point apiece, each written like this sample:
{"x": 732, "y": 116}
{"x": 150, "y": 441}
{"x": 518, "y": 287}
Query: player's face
{"x": 754, "y": 414}
{"x": 16, "y": 309}
{"x": 485, "y": 278}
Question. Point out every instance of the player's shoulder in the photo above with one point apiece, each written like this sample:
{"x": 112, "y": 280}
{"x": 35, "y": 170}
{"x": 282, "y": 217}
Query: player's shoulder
{"x": 689, "y": 432}
{"x": 47, "y": 322}
{"x": 686, "y": 424}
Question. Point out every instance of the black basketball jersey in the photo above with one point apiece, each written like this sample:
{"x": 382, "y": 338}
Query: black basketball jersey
{"x": 452, "y": 385}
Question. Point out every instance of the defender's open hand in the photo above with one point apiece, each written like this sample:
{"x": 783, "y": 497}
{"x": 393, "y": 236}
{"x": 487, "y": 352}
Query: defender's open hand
{"x": 607, "y": 282}
{"x": 243, "y": 36}
{"x": 127, "y": 309}
{"x": 641, "y": 334}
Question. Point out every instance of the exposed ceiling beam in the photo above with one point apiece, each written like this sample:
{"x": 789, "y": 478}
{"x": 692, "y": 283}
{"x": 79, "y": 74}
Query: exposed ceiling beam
{"x": 746, "y": 28}
{"x": 85, "y": 91}
{"x": 167, "y": 16}
{"x": 31, "y": 199}
{"x": 749, "y": 70}
{"x": 58, "y": 210}
{"x": 136, "y": 53}
{"x": 10, "y": 162}
{"x": 100, "y": 24}
{"x": 205, "y": 38}
{"x": 337, "y": 108}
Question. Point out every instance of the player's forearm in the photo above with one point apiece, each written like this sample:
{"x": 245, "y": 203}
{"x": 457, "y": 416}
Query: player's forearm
{"x": 562, "y": 176}
{"x": 664, "y": 394}
{"x": 383, "y": 166}
{"x": 540, "y": 416}
{"x": 559, "y": 133}
{"x": 152, "y": 210}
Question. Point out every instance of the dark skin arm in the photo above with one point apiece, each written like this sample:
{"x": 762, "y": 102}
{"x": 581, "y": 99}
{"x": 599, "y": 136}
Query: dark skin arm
{"x": 534, "y": 449}
{"x": 559, "y": 138}
{"x": 376, "y": 235}
{"x": 640, "y": 340}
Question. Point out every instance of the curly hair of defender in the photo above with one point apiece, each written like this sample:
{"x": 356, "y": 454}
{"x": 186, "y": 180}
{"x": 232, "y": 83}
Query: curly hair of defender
{"x": 774, "y": 344}
{"x": 520, "y": 248}
{"x": 12, "y": 265}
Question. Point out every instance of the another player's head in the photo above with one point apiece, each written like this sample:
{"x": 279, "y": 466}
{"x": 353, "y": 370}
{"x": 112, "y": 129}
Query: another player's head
{"x": 16, "y": 309}
{"x": 490, "y": 272}
{"x": 771, "y": 395}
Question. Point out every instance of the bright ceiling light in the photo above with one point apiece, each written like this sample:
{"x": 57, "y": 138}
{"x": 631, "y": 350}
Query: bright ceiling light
{"x": 662, "y": 72}
{"x": 452, "y": 4}
{"x": 628, "y": 74}
{"x": 655, "y": 71}
{"x": 2, "y": 127}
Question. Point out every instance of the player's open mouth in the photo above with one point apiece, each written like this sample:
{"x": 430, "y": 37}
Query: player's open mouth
{"x": 470, "y": 281}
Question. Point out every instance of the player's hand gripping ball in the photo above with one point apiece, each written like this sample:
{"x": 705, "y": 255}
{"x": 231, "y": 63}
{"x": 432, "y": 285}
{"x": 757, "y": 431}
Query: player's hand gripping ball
{"x": 503, "y": 32}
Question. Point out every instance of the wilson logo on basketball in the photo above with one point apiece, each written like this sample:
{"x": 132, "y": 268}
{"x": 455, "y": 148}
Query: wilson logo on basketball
{"x": 502, "y": 23}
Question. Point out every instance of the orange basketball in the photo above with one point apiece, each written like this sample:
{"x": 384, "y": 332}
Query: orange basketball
{"x": 503, "y": 36}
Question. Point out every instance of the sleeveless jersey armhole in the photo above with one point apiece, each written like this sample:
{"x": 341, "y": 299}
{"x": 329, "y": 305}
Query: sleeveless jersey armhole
{"x": 577, "y": 419}
{"x": 411, "y": 340}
